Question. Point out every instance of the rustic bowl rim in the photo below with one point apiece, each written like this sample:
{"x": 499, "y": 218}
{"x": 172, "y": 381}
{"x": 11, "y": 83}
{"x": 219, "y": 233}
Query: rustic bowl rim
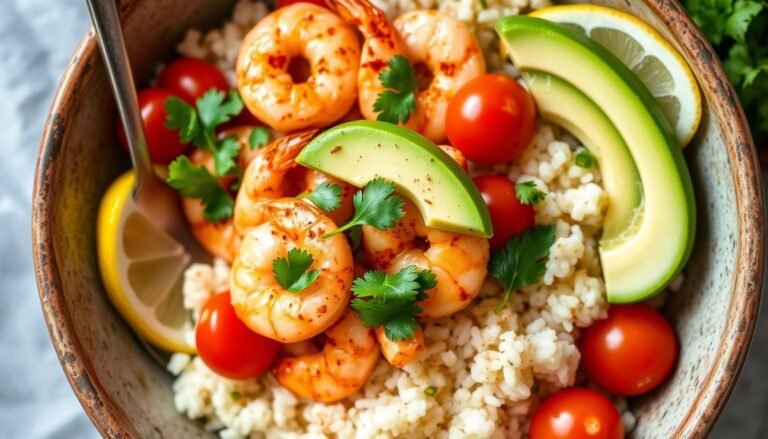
{"x": 716, "y": 386}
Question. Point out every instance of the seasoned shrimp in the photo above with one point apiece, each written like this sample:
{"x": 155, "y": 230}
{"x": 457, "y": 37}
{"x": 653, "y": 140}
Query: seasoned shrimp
{"x": 265, "y": 306}
{"x": 459, "y": 261}
{"x": 432, "y": 41}
{"x": 273, "y": 173}
{"x": 294, "y": 32}
{"x": 347, "y": 360}
{"x": 220, "y": 239}
{"x": 400, "y": 353}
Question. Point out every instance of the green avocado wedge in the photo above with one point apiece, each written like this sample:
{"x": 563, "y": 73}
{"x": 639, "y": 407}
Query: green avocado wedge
{"x": 641, "y": 260}
{"x": 357, "y": 152}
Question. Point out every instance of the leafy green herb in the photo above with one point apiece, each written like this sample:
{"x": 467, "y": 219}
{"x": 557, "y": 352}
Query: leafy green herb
{"x": 399, "y": 102}
{"x": 483, "y": 4}
{"x": 197, "y": 183}
{"x": 355, "y": 235}
{"x": 198, "y": 125}
{"x": 389, "y": 300}
{"x": 584, "y": 159}
{"x": 259, "y": 137}
{"x": 375, "y": 206}
{"x": 235, "y": 395}
{"x": 430, "y": 391}
{"x": 528, "y": 193}
{"x": 521, "y": 261}
{"x": 327, "y": 196}
{"x": 292, "y": 272}
{"x": 738, "y": 29}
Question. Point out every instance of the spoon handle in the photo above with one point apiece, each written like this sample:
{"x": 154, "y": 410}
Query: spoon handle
{"x": 106, "y": 22}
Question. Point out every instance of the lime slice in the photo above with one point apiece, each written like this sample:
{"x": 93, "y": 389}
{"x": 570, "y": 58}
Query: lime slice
{"x": 649, "y": 55}
{"x": 143, "y": 270}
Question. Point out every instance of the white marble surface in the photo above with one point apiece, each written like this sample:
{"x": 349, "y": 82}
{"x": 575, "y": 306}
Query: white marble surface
{"x": 36, "y": 40}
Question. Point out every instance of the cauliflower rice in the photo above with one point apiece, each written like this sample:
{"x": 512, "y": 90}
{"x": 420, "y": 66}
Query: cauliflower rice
{"x": 490, "y": 370}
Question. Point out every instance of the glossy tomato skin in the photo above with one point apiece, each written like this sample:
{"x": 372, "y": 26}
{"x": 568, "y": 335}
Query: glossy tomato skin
{"x": 491, "y": 119}
{"x": 576, "y": 413}
{"x": 164, "y": 144}
{"x": 630, "y": 352}
{"x": 190, "y": 79}
{"x": 508, "y": 216}
{"x": 227, "y": 346}
{"x": 282, "y": 3}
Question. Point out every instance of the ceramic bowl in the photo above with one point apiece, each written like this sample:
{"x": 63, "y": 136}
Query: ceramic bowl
{"x": 127, "y": 394}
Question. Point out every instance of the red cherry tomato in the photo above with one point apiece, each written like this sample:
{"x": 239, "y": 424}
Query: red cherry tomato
{"x": 509, "y": 217}
{"x": 164, "y": 144}
{"x": 227, "y": 346}
{"x": 491, "y": 119}
{"x": 576, "y": 413}
{"x": 190, "y": 79}
{"x": 631, "y": 352}
{"x": 282, "y": 3}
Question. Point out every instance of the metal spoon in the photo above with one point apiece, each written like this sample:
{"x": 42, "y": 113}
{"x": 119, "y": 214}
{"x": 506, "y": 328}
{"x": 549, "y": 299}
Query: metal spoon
{"x": 154, "y": 199}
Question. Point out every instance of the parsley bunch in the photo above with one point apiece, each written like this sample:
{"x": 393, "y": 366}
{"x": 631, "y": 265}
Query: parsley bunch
{"x": 389, "y": 300}
{"x": 398, "y": 102}
{"x": 738, "y": 29}
{"x": 521, "y": 261}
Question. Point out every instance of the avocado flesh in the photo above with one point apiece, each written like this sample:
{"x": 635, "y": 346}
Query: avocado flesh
{"x": 357, "y": 152}
{"x": 561, "y": 103}
{"x": 641, "y": 261}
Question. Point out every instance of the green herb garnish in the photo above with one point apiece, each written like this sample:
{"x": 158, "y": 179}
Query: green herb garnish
{"x": 430, "y": 391}
{"x": 327, "y": 196}
{"x": 521, "y": 261}
{"x": 197, "y": 183}
{"x": 399, "y": 102}
{"x": 528, "y": 193}
{"x": 259, "y": 137}
{"x": 584, "y": 159}
{"x": 375, "y": 206}
{"x": 292, "y": 272}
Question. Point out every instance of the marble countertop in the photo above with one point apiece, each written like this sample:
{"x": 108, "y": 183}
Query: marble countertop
{"x": 37, "y": 38}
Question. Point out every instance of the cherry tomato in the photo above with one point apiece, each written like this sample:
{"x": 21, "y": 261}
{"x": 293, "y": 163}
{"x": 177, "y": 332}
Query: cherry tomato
{"x": 576, "y": 413}
{"x": 190, "y": 79}
{"x": 227, "y": 346}
{"x": 164, "y": 144}
{"x": 631, "y": 352}
{"x": 509, "y": 217}
{"x": 491, "y": 119}
{"x": 282, "y": 3}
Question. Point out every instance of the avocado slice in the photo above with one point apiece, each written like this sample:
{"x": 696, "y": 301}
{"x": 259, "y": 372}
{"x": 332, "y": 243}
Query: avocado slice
{"x": 642, "y": 259}
{"x": 357, "y": 152}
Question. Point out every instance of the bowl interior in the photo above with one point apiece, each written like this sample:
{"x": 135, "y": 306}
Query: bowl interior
{"x": 127, "y": 393}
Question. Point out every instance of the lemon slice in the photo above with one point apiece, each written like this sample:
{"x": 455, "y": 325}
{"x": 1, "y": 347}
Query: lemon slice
{"x": 142, "y": 268}
{"x": 649, "y": 55}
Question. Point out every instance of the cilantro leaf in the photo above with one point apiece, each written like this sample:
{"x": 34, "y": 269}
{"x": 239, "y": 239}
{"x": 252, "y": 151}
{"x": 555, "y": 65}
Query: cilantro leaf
{"x": 291, "y": 272}
{"x": 375, "y": 206}
{"x": 390, "y": 300}
{"x": 743, "y": 12}
{"x": 259, "y": 137}
{"x": 398, "y": 102}
{"x": 197, "y": 183}
{"x": 355, "y": 235}
{"x": 584, "y": 159}
{"x": 225, "y": 155}
{"x": 183, "y": 117}
{"x": 214, "y": 110}
{"x": 528, "y": 193}
{"x": 521, "y": 261}
{"x": 327, "y": 196}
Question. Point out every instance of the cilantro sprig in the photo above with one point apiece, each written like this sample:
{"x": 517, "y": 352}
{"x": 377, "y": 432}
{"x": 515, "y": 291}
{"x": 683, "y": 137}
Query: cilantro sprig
{"x": 521, "y": 261}
{"x": 390, "y": 300}
{"x": 196, "y": 182}
{"x": 584, "y": 159}
{"x": 293, "y": 273}
{"x": 528, "y": 194}
{"x": 376, "y": 206}
{"x": 327, "y": 196}
{"x": 259, "y": 137}
{"x": 398, "y": 102}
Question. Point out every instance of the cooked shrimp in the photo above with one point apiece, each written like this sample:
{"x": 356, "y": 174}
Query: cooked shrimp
{"x": 456, "y": 155}
{"x": 220, "y": 239}
{"x": 269, "y": 176}
{"x": 444, "y": 46}
{"x": 347, "y": 360}
{"x": 293, "y": 32}
{"x": 400, "y": 353}
{"x": 265, "y": 306}
{"x": 459, "y": 261}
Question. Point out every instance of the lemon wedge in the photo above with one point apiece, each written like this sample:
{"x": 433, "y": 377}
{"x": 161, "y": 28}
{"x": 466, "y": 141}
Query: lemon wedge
{"x": 142, "y": 268}
{"x": 648, "y": 54}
